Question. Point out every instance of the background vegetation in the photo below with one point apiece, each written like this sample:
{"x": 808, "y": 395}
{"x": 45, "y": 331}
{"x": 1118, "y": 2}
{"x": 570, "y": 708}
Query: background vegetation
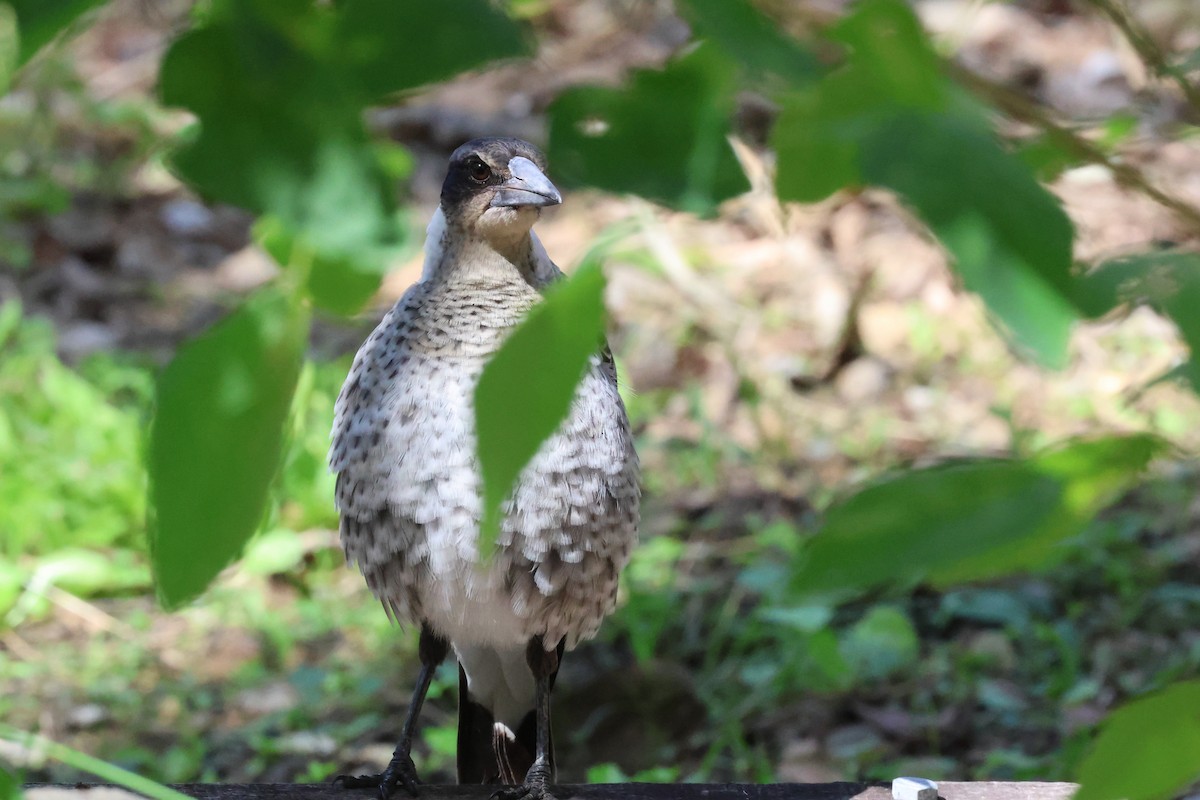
{"x": 919, "y": 495}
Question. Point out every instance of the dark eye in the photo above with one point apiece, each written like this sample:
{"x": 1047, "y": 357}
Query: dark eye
{"x": 478, "y": 170}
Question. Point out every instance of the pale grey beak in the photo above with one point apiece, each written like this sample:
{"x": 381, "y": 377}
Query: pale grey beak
{"x": 527, "y": 187}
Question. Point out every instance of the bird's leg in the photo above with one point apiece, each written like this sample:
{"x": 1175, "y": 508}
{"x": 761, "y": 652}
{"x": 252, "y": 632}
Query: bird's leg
{"x": 400, "y": 770}
{"x": 543, "y": 664}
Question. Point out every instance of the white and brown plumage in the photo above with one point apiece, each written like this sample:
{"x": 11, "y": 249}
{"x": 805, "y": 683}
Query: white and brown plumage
{"x": 408, "y": 483}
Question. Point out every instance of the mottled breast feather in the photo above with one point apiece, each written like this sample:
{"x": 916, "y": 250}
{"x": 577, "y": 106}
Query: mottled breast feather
{"x": 408, "y": 485}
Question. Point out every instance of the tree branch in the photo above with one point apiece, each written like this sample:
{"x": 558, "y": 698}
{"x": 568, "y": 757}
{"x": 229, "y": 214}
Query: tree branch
{"x": 1147, "y": 49}
{"x": 1021, "y": 109}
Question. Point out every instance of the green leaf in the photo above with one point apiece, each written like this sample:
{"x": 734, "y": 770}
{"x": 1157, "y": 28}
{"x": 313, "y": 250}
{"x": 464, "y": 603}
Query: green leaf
{"x": 889, "y": 46}
{"x": 1153, "y": 279}
{"x": 1010, "y": 239}
{"x": 39, "y": 21}
{"x": 832, "y": 672}
{"x": 273, "y": 553}
{"x": 281, "y": 135}
{"x": 526, "y": 389}
{"x": 1046, "y": 157}
{"x": 890, "y": 68}
{"x": 663, "y": 137}
{"x": 883, "y": 642}
{"x": 1148, "y": 749}
{"x": 279, "y": 88}
{"x": 969, "y": 521}
{"x": 10, "y": 42}
{"x": 109, "y": 773}
{"x": 10, "y": 788}
{"x": 216, "y": 440}
{"x": 339, "y": 284}
{"x": 395, "y": 46}
{"x": 342, "y": 285}
{"x": 817, "y": 136}
{"x": 889, "y": 117}
{"x": 1117, "y": 130}
{"x": 751, "y": 39}
{"x": 1168, "y": 282}
{"x": 70, "y": 441}
{"x": 87, "y": 572}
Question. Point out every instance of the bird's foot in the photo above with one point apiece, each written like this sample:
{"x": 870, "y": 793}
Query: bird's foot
{"x": 400, "y": 771}
{"x": 535, "y": 787}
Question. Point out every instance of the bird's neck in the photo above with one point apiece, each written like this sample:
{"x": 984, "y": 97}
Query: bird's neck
{"x": 501, "y": 257}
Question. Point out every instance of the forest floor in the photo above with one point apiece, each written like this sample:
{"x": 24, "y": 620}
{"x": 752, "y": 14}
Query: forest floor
{"x": 774, "y": 358}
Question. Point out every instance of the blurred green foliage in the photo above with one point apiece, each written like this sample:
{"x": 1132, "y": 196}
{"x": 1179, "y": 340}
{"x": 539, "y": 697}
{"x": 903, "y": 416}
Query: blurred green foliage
{"x": 42, "y": 161}
{"x": 279, "y": 90}
{"x": 10, "y": 789}
{"x": 666, "y": 133}
{"x": 752, "y": 41}
{"x": 72, "y": 502}
{"x": 39, "y": 22}
{"x": 1006, "y": 661}
{"x": 889, "y": 117}
{"x": 1167, "y": 281}
{"x": 70, "y": 453}
{"x": 101, "y": 769}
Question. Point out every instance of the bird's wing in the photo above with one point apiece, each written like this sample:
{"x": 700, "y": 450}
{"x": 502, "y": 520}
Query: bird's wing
{"x": 359, "y": 412}
{"x": 435, "y": 243}
{"x": 545, "y": 271}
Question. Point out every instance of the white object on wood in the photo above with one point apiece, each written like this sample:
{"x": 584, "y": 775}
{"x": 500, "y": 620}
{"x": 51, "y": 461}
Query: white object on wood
{"x": 914, "y": 789}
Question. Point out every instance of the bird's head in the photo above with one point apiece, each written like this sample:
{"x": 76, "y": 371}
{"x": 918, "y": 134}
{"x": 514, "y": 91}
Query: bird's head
{"x": 496, "y": 188}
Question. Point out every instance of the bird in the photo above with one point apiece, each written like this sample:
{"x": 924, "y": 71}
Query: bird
{"x": 408, "y": 483}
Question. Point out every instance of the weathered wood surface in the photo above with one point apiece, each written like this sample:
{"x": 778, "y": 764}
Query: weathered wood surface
{"x": 949, "y": 790}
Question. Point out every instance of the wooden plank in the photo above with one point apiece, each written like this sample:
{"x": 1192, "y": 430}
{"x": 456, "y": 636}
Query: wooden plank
{"x": 949, "y": 790}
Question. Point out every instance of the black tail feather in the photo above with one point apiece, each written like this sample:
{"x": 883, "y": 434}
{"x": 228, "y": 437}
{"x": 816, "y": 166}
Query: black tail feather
{"x": 486, "y": 753}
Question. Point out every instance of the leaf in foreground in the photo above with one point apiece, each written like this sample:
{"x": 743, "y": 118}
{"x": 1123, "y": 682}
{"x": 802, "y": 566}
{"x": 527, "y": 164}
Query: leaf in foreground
{"x": 279, "y": 88}
{"x": 662, "y": 137}
{"x": 109, "y": 773}
{"x": 339, "y": 284}
{"x": 439, "y": 40}
{"x": 525, "y": 391}
{"x": 1010, "y": 238}
{"x": 216, "y": 441}
{"x": 1168, "y": 282}
{"x": 970, "y": 521}
{"x": 751, "y": 38}
{"x": 282, "y": 136}
{"x": 9, "y": 788}
{"x": 1148, "y": 749}
{"x": 9, "y": 44}
{"x": 889, "y": 117}
{"x": 39, "y": 21}
{"x": 891, "y": 68}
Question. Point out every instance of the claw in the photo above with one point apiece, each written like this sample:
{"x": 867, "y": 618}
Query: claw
{"x": 526, "y": 791}
{"x": 396, "y": 774}
{"x": 535, "y": 787}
